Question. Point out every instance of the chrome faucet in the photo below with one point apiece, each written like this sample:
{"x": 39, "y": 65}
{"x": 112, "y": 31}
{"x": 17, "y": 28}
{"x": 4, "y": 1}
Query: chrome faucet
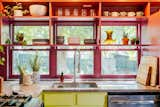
{"x": 76, "y": 67}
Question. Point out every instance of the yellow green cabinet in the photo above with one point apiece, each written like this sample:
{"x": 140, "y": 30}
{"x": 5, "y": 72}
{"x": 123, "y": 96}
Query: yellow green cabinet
{"x": 75, "y": 99}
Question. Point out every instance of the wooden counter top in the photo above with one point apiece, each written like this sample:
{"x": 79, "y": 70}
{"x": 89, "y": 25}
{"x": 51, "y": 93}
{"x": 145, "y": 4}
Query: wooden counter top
{"x": 108, "y": 86}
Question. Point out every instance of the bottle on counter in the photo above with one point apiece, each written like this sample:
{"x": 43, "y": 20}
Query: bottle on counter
{"x": 61, "y": 78}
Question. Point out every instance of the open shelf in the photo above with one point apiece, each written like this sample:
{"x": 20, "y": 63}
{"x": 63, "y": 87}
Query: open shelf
{"x": 26, "y": 18}
{"x": 124, "y": 18}
{"x": 75, "y": 18}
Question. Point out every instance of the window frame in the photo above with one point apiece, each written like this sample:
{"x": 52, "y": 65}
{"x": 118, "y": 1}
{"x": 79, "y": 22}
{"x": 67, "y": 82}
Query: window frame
{"x": 96, "y": 52}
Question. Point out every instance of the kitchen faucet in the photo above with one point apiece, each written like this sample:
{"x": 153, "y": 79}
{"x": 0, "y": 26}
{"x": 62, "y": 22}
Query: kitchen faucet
{"x": 75, "y": 64}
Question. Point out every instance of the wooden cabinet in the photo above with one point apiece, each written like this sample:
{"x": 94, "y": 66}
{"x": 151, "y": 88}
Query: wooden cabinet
{"x": 75, "y": 99}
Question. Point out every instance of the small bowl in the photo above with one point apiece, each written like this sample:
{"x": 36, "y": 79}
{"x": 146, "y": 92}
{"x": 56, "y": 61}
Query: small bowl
{"x": 38, "y": 10}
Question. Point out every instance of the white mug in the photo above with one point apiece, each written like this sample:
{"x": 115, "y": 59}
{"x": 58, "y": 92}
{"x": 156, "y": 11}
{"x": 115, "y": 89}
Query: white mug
{"x": 106, "y": 13}
{"x": 123, "y": 13}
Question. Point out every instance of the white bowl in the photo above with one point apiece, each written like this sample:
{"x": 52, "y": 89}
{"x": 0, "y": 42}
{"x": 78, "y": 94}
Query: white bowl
{"x": 38, "y": 10}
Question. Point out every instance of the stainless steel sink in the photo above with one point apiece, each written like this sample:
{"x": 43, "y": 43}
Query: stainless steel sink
{"x": 75, "y": 85}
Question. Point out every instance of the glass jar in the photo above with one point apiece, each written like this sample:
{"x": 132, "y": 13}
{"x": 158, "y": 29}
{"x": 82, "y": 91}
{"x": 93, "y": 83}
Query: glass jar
{"x": 92, "y": 12}
{"x": 84, "y": 12}
{"x": 60, "y": 12}
{"x": 75, "y": 12}
{"x": 67, "y": 12}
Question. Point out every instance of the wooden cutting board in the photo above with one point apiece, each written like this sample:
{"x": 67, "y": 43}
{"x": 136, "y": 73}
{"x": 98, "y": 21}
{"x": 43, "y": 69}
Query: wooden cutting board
{"x": 144, "y": 74}
{"x": 147, "y": 62}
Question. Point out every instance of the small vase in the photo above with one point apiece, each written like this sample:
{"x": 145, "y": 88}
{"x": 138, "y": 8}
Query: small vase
{"x": 35, "y": 77}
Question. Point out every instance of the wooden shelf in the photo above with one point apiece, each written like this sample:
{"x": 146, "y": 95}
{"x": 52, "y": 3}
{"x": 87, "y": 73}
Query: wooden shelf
{"x": 75, "y": 18}
{"x": 26, "y": 18}
{"x": 126, "y": 18}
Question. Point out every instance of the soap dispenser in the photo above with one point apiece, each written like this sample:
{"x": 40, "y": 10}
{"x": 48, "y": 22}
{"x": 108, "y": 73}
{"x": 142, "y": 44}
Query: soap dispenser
{"x": 61, "y": 78}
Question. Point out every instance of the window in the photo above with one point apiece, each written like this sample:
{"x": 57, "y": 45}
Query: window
{"x": 119, "y": 60}
{"x": 65, "y": 62}
{"x": 32, "y": 32}
{"x": 23, "y": 58}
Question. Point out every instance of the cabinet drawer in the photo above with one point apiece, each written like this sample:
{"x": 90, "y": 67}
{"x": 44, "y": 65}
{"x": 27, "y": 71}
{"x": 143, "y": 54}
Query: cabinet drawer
{"x": 91, "y": 98}
{"x": 59, "y": 99}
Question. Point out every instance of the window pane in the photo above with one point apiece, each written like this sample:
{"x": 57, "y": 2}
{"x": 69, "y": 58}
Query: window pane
{"x": 32, "y": 32}
{"x": 118, "y": 33}
{"x": 119, "y": 62}
{"x": 76, "y": 31}
{"x": 65, "y": 62}
{"x": 24, "y": 57}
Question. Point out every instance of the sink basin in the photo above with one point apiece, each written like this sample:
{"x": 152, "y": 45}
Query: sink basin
{"x": 75, "y": 85}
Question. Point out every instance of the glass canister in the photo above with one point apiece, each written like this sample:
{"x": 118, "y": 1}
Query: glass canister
{"x": 67, "y": 12}
{"x": 60, "y": 12}
{"x": 75, "y": 12}
{"x": 83, "y": 12}
{"x": 92, "y": 12}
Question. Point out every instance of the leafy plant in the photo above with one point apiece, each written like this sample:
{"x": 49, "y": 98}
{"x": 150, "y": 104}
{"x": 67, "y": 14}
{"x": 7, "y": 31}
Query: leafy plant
{"x": 35, "y": 63}
{"x": 21, "y": 69}
{"x": 9, "y": 10}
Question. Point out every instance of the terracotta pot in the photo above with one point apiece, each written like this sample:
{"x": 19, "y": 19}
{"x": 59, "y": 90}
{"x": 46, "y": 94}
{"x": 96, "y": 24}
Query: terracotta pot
{"x": 125, "y": 41}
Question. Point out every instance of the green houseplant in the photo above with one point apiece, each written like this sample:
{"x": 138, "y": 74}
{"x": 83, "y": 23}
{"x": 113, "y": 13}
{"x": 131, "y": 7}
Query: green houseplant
{"x": 2, "y": 59}
{"x": 35, "y": 65}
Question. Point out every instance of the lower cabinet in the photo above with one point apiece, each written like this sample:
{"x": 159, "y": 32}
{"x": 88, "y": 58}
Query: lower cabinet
{"x": 75, "y": 99}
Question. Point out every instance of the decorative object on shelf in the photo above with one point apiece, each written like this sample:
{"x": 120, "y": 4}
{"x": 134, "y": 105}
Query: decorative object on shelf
{"x": 60, "y": 40}
{"x": 2, "y": 59}
{"x": 131, "y": 13}
{"x": 35, "y": 65}
{"x": 89, "y": 41}
{"x": 109, "y": 39}
{"x": 125, "y": 38}
{"x": 38, "y": 10}
{"x": 74, "y": 40}
{"x": 139, "y": 13}
{"x": 20, "y": 39}
{"x": 133, "y": 41}
{"x": 40, "y": 41}
{"x": 16, "y": 10}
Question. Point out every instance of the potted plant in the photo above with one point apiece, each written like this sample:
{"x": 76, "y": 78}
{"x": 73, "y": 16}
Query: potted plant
{"x": 2, "y": 59}
{"x": 20, "y": 39}
{"x": 133, "y": 41}
{"x": 35, "y": 65}
{"x": 16, "y": 10}
{"x": 137, "y": 41}
{"x": 21, "y": 73}
{"x": 125, "y": 39}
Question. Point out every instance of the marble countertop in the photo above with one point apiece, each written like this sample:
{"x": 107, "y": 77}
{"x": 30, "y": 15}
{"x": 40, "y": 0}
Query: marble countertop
{"x": 107, "y": 86}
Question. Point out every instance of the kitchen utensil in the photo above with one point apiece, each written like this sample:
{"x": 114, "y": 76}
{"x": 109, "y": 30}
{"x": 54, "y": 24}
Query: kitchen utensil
{"x": 38, "y": 10}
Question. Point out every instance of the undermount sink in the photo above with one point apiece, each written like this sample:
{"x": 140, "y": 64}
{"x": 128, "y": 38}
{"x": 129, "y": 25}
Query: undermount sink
{"x": 75, "y": 85}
